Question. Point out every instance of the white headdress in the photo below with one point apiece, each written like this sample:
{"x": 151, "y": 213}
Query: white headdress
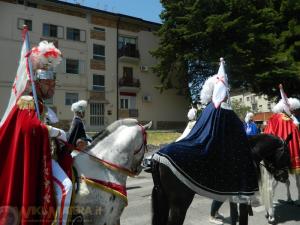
{"x": 294, "y": 104}
{"x": 79, "y": 106}
{"x": 215, "y": 88}
{"x": 248, "y": 116}
{"x": 45, "y": 57}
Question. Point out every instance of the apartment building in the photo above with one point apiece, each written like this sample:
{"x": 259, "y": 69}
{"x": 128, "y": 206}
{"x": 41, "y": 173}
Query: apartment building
{"x": 260, "y": 105}
{"x": 106, "y": 61}
{"x": 257, "y": 103}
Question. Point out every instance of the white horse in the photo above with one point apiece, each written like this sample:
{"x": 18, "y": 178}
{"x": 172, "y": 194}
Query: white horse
{"x": 103, "y": 169}
{"x": 267, "y": 188}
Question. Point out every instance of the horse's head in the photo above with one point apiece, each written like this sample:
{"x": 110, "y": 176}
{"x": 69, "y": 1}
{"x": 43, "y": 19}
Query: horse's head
{"x": 122, "y": 145}
{"x": 274, "y": 152}
{"x": 140, "y": 148}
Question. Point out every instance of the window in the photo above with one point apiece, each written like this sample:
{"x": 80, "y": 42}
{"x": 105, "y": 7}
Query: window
{"x": 98, "y": 52}
{"x": 124, "y": 103}
{"x": 128, "y": 74}
{"x": 71, "y": 98}
{"x": 248, "y": 99}
{"x": 126, "y": 41}
{"x": 99, "y": 29}
{"x": 75, "y": 34}
{"x": 98, "y": 82}
{"x": 72, "y": 66}
{"x": 22, "y": 22}
{"x": 50, "y": 30}
{"x": 127, "y": 101}
{"x": 96, "y": 114}
{"x": 26, "y": 3}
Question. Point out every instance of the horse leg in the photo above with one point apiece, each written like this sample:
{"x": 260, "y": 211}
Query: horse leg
{"x": 270, "y": 208}
{"x": 159, "y": 200}
{"x": 178, "y": 195}
{"x": 178, "y": 210}
{"x": 288, "y": 184}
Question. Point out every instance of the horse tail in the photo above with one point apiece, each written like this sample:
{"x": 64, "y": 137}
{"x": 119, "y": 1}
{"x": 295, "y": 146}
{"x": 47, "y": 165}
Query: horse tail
{"x": 160, "y": 206}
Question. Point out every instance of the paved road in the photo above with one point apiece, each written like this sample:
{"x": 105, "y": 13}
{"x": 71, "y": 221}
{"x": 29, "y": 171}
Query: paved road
{"x": 138, "y": 212}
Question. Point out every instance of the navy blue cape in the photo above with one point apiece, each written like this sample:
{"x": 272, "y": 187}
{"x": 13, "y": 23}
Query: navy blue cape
{"x": 214, "y": 160}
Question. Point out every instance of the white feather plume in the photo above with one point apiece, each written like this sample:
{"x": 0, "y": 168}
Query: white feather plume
{"x": 45, "y": 55}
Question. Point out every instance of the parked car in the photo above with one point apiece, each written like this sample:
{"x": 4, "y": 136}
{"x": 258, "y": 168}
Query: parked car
{"x": 147, "y": 163}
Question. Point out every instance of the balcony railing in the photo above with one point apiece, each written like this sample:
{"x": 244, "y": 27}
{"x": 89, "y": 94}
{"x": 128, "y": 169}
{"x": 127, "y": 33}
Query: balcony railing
{"x": 125, "y": 82}
{"x": 125, "y": 113}
{"x": 129, "y": 51}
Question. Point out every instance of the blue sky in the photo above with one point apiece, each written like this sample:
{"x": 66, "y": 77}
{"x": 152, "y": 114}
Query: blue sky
{"x": 145, "y": 9}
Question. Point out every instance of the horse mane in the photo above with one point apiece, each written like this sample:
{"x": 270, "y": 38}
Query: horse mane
{"x": 262, "y": 145}
{"x": 265, "y": 141}
{"x": 110, "y": 129}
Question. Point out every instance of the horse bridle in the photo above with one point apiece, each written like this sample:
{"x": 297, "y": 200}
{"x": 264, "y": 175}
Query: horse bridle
{"x": 118, "y": 167}
{"x": 144, "y": 144}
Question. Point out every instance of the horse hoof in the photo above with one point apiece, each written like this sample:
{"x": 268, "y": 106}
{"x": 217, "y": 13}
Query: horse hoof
{"x": 215, "y": 220}
{"x": 271, "y": 221}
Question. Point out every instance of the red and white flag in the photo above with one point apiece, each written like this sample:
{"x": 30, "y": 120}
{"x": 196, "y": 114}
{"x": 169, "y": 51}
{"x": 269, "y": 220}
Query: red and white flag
{"x": 21, "y": 80}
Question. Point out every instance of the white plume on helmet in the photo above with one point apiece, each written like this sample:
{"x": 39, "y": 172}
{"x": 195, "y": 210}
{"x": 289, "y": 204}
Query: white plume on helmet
{"x": 294, "y": 104}
{"x": 248, "y": 116}
{"x": 192, "y": 114}
{"x": 45, "y": 56}
{"x": 79, "y": 106}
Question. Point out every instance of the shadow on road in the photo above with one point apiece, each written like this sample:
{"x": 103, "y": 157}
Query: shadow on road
{"x": 286, "y": 212}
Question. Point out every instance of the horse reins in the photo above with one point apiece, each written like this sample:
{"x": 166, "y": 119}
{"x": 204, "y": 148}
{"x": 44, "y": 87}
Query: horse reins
{"x": 110, "y": 165}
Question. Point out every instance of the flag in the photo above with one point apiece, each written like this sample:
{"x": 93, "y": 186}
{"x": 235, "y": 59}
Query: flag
{"x": 286, "y": 105}
{"x": 221, "y": 87}
{"x": 21, "y": 80}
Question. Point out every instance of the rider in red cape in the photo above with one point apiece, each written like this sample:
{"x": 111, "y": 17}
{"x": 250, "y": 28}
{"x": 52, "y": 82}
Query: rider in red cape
{"x": 25, "y": 166}
{"x": 34, "y": 188}
{"x": 284, "y": 122}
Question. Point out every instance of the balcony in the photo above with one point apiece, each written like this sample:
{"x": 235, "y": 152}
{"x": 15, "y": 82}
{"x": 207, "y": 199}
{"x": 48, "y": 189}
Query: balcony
{"x": 96, "y": 64}
{"x": 98, "y": 35}
{"x": 130, "y": 85}
{"x": 129, "y": 54}
{"x": 128, "y": 113}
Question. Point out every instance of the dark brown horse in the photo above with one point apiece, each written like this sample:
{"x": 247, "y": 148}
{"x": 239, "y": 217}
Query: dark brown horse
{"x": 171, "y": 198}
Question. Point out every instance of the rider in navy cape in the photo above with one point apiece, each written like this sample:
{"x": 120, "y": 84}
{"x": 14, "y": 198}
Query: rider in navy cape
{"x": 214, "y": 160}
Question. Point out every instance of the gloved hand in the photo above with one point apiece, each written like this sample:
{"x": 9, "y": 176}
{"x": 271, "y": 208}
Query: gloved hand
{"x": 57, "y": 133}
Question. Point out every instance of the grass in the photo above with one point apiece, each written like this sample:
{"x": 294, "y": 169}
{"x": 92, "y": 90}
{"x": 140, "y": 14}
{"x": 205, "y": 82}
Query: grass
{"x": 155, "y": 137}
{"x": 161, "y": 137}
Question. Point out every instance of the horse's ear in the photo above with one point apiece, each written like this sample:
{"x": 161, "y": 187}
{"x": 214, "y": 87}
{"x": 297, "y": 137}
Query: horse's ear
{"x": 288, "y": 138}
{"x": 148, "y": 125}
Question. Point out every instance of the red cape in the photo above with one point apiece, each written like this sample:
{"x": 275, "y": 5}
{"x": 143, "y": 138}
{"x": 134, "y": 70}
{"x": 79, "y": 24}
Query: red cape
{"x": 281, "y": 125}
{"x": 26, "y": 187}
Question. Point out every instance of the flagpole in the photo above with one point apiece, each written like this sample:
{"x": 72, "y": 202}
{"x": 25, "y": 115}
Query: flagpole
{"x": 26, "y": 36}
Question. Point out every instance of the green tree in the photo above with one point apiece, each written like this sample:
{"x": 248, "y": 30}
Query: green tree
{"x": 259, "y": 39}
{"x": 240, "y": 109}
